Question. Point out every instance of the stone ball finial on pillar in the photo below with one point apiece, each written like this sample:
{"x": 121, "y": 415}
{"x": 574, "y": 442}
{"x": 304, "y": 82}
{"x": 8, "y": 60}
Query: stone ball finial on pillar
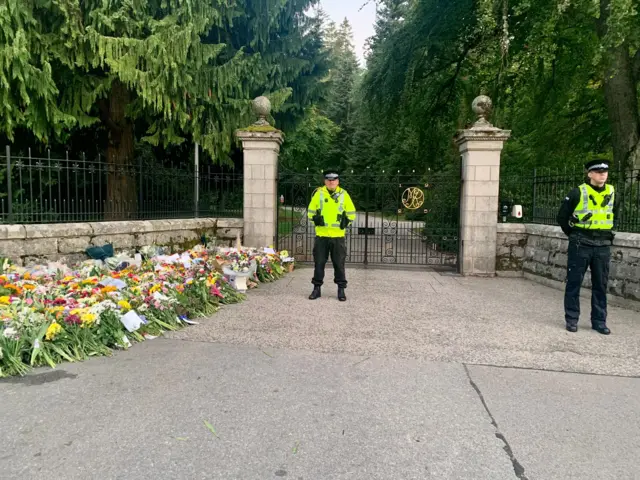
{"x": 262, "y": 108}
{"x": 482, "y": 106}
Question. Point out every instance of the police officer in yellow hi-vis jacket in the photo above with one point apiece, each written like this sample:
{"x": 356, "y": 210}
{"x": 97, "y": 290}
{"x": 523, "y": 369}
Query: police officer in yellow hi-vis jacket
{"x": 587, "y": 216}
{"x": 332, "y": 211}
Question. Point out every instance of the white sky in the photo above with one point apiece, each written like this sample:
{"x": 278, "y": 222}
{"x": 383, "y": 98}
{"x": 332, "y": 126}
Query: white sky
{"x": 361, "y": 20}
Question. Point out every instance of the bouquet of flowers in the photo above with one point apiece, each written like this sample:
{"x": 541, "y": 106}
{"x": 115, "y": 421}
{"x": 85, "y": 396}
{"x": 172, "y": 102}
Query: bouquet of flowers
{"x": 50, "y": 314}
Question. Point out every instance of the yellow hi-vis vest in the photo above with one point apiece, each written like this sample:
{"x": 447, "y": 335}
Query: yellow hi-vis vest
{"x": 595, "y": 209}
{"x": 331, "y": 207}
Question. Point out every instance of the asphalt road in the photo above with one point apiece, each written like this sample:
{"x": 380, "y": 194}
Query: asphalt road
{"x": 417, "y": 376}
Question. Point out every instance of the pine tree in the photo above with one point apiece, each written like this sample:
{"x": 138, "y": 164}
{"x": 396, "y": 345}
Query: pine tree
{"x": 343, "y": 76}
{"x": 181, "y": 68}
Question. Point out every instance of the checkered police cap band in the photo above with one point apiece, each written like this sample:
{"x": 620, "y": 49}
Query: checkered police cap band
{"x": 331, "y": 176}
{"x": 599, "y": 166}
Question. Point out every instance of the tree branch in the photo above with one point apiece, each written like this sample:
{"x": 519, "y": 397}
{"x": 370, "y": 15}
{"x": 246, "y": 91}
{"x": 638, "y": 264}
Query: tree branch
{"x": 451, "y": 82}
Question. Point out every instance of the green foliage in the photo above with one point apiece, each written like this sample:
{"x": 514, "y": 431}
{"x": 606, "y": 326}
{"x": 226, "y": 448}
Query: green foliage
{"x": 342, "y": 82}
{"x": 310, "y": 146}
{"x": 556, "y": 71}
{"x": 188, "y": 67}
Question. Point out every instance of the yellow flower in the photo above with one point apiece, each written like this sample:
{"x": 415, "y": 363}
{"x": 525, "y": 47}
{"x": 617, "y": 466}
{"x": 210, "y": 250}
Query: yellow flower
{"x": 5, "y": 300}
{"x": 67, "y": 278}
{"x": 155, "y": 288}
{"x": 29, "y": 286}
{"x": 52, "y": 331}
{"x": 88, "y": 319}
{"x": 124, "y": 305}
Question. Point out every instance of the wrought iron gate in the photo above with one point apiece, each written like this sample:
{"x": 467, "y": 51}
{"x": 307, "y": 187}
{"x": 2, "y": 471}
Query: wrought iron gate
{"x": 400, "y": 219}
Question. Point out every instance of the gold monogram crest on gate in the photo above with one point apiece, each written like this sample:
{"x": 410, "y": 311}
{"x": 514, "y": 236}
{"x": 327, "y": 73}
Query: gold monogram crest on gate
{"x": 412, "y": 198}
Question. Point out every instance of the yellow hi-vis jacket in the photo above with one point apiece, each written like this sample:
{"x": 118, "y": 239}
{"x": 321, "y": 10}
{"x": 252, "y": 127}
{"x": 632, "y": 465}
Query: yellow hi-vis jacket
{"x": 598, "y": 204}
{"x": 331, "y": 206}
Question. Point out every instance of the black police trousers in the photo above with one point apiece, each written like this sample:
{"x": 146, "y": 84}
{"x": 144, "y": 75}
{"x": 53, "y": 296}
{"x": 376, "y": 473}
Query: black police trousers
{"x": 324, "y": 246}
{"x": 580, "y": 258}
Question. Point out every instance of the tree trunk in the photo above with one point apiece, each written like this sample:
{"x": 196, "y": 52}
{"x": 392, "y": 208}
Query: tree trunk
{"x": 122, "y": 199}
{"x": 620, "y": 93}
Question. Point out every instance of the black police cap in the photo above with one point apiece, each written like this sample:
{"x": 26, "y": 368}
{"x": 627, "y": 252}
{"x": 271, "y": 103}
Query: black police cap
{"x": 331, "y": 174}
{"x": 599, "y": 164}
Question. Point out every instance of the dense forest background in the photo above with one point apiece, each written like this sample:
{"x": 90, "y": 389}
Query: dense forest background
{"x": 148, "y": 78}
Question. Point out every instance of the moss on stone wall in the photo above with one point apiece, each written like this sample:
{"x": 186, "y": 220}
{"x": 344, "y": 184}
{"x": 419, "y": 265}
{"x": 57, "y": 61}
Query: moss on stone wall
{"x": 261, "y": 129}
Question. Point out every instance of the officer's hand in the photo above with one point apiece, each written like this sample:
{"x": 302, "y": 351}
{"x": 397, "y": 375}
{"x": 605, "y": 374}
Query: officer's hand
{"x": 344, "y": 221}
{"x": 318, "y": 220}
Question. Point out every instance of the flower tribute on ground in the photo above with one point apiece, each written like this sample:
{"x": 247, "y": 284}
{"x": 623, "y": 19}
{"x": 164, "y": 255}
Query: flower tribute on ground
{"x": 53, "y": 314}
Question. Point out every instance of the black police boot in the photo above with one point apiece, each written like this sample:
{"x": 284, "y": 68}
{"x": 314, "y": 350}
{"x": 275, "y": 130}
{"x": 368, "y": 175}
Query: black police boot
{"x": 341, "y": 296}
{"x": 601, "y": 329}
{"x": 316, "y": 293}
{"x": 572, "y": 328}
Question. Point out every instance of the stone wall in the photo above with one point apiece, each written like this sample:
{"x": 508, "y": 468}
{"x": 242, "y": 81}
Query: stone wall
{"x": 66, "y": 242}
{"x": 511, "y": 242}
{"x": 539, "y": 252}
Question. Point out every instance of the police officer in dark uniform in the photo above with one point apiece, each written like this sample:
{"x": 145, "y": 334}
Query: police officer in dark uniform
{"x": 587, "y": 217}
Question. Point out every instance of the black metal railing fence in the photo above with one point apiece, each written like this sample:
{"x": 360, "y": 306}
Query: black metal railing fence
{"x": 540, "y": 191}
{"x": 46, "y": 189}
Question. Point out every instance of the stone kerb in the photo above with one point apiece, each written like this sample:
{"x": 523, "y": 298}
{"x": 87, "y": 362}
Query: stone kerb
{"x": 261, "y": 146}
{"x": 480, "y": 148}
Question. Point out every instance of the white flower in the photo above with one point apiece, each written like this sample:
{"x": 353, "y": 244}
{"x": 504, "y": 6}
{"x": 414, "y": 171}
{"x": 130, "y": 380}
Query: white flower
{"x": 98, "y": 308}
{"x": 10, "y": 333}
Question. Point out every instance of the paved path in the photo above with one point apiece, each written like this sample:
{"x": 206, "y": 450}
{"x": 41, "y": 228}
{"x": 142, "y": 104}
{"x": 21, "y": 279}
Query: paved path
{"x": 417, "y": 376}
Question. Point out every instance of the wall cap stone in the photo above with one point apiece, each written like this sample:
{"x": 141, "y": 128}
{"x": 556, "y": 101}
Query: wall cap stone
{"x": 512, "y": 228}
{"x": 12, "y": 232}
{"x": 70, "y": 230}
{"x": 486, "y": 134}
{"x": 57, "y": 230}
{"x": 552, "y": 231}
{"x": 622, "y": 239}
{"x": 249, "y": 136}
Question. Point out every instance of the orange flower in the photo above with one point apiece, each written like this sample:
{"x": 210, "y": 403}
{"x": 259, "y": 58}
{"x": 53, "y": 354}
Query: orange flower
{"x": 27, "y": 276}
{"x": 109, "y": 288}
{"x": 17, "y": 290}
{"x": 29, "y": 286}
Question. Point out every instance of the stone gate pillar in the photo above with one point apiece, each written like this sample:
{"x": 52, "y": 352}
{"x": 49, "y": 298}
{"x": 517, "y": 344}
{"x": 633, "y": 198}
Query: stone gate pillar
{"x": 261, "y": 146}
{"x": 480, "y": 147}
